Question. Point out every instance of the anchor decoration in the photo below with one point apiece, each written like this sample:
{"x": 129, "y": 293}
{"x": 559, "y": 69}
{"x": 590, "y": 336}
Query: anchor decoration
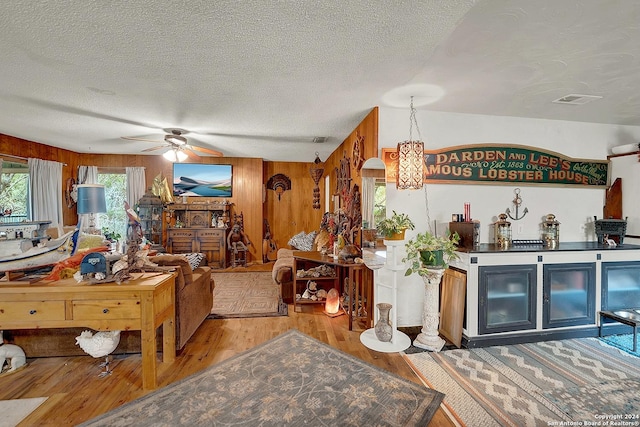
{"x": 517, "y": 201}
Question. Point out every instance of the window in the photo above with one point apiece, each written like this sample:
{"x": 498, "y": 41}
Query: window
{"x": 115, "y": 220}
{"x": 14, "y": 192}
{"x": 380, "y": 201}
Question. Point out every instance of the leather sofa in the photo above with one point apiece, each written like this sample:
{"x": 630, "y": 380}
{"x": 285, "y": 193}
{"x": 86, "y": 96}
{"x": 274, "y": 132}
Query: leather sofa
{"x": 194, "y": 295}
{"x": 282, "y": 274}
{"x": 194, "y": 299}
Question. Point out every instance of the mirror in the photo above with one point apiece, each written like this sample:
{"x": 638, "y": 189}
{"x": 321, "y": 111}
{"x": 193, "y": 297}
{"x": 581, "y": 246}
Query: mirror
{"x": 373, "y": 199}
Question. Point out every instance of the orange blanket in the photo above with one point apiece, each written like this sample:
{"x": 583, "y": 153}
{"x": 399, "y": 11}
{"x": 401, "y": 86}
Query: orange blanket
{"x": 72, "y": 263}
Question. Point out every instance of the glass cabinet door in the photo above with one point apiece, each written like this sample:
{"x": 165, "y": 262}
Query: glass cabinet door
{"x": 568, "y": 294}
{"x": 507, "y": 298}
{"x": 620, "y": 285}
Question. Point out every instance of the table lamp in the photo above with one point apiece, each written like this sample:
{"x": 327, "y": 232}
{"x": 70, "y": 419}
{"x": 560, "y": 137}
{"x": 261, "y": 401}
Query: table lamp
{"x": 91, "y": 200}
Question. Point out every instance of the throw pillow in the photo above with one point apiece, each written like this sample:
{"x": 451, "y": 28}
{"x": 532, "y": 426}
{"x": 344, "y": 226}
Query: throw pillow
{"x": 303, "y": 241}
{"x": 194, "y": 259}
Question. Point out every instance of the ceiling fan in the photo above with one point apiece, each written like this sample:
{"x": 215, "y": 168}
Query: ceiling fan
{"x": 179, "y": 148}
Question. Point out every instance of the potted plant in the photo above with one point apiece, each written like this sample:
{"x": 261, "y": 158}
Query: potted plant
{"x": 393, "y": 228}
{"x": 427, "y": 250}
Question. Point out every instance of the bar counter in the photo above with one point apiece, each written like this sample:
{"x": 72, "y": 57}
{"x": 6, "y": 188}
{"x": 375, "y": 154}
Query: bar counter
{"x": 486, "y": 248}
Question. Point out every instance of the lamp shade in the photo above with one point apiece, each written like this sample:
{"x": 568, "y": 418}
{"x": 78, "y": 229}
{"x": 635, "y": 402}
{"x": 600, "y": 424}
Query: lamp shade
{"x": 91, "y": 199}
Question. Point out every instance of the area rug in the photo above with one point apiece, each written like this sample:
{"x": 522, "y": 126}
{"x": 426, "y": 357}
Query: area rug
{"x": 540, "y": 384}
{"x": 623, "y": 342}
{"x": 13, "y": 411}
{"x": 291, "y": 380}
{"x": 250, "y": 294}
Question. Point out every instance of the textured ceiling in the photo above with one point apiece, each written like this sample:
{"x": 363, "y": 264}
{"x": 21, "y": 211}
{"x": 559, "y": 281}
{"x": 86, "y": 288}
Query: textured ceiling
{"x": 262, "y": 78}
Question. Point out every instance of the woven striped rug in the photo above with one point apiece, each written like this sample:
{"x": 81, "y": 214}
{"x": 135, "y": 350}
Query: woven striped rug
{"x": 247, "y": 294}
{"x": 538, "y": 384}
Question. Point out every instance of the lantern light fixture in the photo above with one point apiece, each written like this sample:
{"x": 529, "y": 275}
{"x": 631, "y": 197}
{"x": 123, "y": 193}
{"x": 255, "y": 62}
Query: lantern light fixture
{"x": 410, "y": 158}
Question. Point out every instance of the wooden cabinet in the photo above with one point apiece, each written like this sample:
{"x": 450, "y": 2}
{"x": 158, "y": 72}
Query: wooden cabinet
{"x": 209, "y": 241}
{"x": 525, "y": 294}
{"x": 199, "y": 227}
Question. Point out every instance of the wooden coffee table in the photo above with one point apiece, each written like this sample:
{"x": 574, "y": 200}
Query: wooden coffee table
{"x": 626, "y": 316}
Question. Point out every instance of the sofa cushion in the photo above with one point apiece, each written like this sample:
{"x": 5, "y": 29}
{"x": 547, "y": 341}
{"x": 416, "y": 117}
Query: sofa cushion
{"x": 178, "y": 261}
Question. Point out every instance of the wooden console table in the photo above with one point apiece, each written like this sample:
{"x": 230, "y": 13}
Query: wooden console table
{"x": 143, "y": 304}
{"x": 358, "y": 291}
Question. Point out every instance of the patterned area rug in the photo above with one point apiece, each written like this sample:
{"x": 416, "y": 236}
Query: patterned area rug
{"x": 577, "y": 381}
{"x": 247, "y": 294}
{"x": 12, "y": 412}
{"x": 623, "y": 342}
{"x": 291, "y": 380}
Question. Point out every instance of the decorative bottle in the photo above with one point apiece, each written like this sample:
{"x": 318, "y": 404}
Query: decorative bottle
{"x": 383, "y": 328}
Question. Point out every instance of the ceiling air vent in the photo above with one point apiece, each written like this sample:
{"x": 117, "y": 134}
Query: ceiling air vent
{"x": 320, "y": 139}
{"x": 574, "y": 99}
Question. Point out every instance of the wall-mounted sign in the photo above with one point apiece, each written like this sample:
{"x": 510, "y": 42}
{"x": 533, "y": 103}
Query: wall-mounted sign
{"x": 500, "y": 163}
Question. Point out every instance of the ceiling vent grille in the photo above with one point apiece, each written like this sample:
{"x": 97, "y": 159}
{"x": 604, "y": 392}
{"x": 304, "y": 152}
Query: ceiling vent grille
{"x": 320, "y": 139}
{"x": 575, "y": 99}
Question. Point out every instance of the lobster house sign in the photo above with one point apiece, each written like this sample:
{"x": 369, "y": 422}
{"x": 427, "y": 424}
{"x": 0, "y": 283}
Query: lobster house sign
{"x": 509, "y": 164}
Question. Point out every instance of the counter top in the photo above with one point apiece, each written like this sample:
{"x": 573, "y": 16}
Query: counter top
{"x": 562, "y": 247}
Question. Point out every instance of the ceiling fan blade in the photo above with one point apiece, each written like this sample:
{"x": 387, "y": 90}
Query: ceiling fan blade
{"x": 206, "y": 150}
{"x": 155, "y": 148}
{"x": 188, "y": 152}
{"x": 134, "y": 138}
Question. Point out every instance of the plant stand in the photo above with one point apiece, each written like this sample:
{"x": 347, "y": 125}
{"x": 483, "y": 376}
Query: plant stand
{"x": 399, "y": 340}
{"x": 428, "y": 338}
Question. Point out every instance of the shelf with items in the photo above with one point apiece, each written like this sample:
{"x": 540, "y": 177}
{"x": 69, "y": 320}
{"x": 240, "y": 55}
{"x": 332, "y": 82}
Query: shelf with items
{"x": 150, "y": 212}
{"x": 312, "y": 281}
{"x": 356, "y": 295}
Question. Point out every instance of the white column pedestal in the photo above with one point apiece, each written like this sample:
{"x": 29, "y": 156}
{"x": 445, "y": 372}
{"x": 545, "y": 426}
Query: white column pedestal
{"x": 429, "y": 339}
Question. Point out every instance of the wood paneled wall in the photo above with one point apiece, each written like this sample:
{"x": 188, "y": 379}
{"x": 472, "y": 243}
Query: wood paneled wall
{"x": 289, "y": 215}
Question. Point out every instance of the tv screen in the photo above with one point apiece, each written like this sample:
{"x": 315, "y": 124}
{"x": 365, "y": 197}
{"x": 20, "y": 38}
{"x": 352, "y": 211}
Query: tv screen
{"x": 196, "y": 179}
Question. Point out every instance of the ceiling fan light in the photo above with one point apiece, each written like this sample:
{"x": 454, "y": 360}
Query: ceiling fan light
{"x": 170, "y": 155}
{"x": 181, "y": 155}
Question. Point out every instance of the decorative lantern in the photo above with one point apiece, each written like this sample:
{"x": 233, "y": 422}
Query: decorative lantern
{"x": 503, "y": 231}
{"x": 410, "y": 158}
{"x": 551, "y": 231}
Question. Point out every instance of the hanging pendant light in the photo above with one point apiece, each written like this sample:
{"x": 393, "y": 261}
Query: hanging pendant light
{"x": 410, "y": 158}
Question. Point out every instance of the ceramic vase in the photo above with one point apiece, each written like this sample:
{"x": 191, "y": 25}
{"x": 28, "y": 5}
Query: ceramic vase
{"x": 383, "y": 328}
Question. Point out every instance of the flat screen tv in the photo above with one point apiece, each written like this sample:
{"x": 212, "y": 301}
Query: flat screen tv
{"x": 197, "y": 179}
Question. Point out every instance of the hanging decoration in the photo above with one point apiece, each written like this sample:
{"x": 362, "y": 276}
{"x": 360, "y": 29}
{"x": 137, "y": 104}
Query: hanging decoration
{"x": 316, "y": 171}
{"x": 410, "y": 158}
{"x": 517, "y": 202}
{"x": 357, "y": 152}
{"x": 279, "y": 183}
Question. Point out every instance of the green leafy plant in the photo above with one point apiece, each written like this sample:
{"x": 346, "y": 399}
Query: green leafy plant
{"x": 112, "y": 236}
{"x": 427, "y": 250}
{"x": 394, "y": 224}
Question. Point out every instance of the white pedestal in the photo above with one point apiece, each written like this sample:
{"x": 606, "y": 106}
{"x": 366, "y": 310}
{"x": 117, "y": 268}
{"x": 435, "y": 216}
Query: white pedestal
{"x": 399, "y": 340}
{"x": 428, "y": 339}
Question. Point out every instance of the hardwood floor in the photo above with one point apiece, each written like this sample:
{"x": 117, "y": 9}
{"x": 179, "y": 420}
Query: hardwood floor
{"x": 76, "y": 394}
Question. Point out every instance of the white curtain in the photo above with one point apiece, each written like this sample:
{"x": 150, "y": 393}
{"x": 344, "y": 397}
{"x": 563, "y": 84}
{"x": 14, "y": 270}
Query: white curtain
{"x": 136, "y": 185}
{"x": 368, "y": 200}
{"x": 87, "y": 174}
{"x": 45, "y": 188}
